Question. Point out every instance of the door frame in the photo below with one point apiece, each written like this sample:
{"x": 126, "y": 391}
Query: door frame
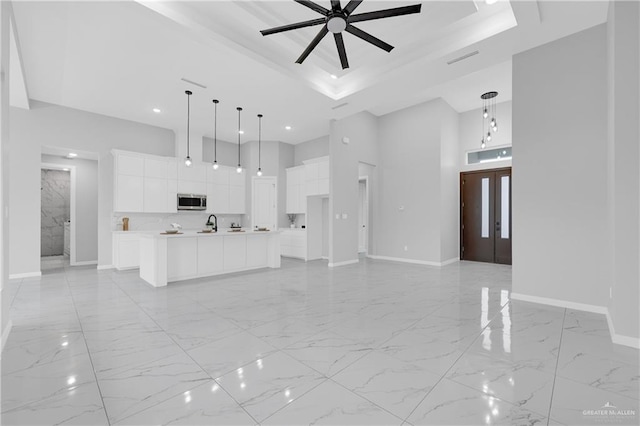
{"x": 461, "y": 228}
{"x": 72, "y": 208}
{"x": 364, "y": 179}
{"x": 274, "y": 180}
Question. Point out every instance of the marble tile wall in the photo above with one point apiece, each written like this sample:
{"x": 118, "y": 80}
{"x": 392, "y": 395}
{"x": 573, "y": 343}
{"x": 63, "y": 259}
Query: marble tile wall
{"x": 54, "y": 210}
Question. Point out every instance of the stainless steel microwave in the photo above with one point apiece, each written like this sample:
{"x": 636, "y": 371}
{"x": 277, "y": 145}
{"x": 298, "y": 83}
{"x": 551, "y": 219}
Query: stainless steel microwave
{"x": 192, "y": 202}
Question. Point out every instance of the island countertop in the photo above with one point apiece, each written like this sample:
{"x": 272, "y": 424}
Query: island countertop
{"x": 195, "y": 233}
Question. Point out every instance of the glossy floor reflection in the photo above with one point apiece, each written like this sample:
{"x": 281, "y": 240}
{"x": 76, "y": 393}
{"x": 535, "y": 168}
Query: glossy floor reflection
{"x": 373, "y": 343}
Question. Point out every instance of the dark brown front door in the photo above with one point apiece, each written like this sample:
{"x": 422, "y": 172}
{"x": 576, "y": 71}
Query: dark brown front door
{"x": 485, "y": 216}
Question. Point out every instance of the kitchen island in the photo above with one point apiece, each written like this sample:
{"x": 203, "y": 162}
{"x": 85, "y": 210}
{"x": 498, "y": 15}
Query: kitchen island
{"x": 167, "y": 258}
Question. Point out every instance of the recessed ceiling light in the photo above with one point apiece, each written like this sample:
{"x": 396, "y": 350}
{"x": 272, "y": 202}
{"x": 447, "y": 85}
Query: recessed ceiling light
{"x": 287, "y": 127}
{"x": 490, "y": 1}
{"x": 241, "y": 132}
{"x": 72, "y": 155}
{"x": 157, "y": 110}
{"x": 333, "y": 76}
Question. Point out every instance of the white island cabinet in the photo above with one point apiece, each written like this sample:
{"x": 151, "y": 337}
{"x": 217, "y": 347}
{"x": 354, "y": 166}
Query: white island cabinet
{"x": 169, "y": 258}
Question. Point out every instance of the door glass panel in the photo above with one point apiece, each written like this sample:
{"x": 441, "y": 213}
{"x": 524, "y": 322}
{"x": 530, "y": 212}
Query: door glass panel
{"x": 504, "y": 208}
{"x": 484, "y": 233}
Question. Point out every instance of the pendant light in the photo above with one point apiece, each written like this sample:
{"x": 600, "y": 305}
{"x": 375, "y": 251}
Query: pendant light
{"x": 215, "y": 135}
{"x": 239, "y": 169}
{"x": 187, "y": 160}
{"x": 259, "y": 144}
{"x": 488, "y": 110}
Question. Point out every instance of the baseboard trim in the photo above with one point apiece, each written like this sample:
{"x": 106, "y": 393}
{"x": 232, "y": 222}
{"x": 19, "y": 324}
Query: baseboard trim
{"x": 615, "y": 338}
{"x": 346, "y": 262}
{"x": 101, "y": 267}
{"x": 84, "y": 263}
{"x": 560, "y": 303}
{"x": 414, "y": 261}
{"x": 5, "y": 334}
{"x": 25, "y": 275}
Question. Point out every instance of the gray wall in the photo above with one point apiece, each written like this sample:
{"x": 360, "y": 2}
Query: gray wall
{"x": 311, "y": 149}
{"x": 623, "y": 45}
{"x": 559, "y": 170}
{"x": 227, "y": 152}
{"x": 86, "y": 214}
{"x": 53, "y": 125}
{"x": 362, "y": 131}
{"x": 55, "y": 210}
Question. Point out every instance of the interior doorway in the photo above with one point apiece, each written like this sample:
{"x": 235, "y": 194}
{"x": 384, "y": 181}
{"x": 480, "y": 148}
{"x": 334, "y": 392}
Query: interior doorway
{"x": 363, "y": 215}
{"x": 264, "y": 202}
{"x": 485, "y": 216}
{"x": 55, "y": 214}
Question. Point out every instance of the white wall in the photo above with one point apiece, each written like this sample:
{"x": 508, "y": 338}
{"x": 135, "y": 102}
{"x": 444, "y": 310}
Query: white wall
{"x": 5, "y": 147}
{"x": 362, "y": 131}
{"x": 559, "y": 170}
{"x": 623, "y": 44}
{"x": 311, "y": 149}
{"x": 86, "y": 206}
{"x": 470, "y": 134}
{"x": 227, "y": 152}
{"x": 53, "y": 125}
{"x": 417, "y": 200}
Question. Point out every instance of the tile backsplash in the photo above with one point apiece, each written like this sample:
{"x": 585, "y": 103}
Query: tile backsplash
{"x": 159, "y": 221}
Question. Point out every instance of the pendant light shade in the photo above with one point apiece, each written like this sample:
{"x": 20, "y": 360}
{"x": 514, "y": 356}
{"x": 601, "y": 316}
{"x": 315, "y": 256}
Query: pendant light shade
{"x": 488, "y": 110}
{"x": 187, "y": 160}
{"x": 239, "y": 169}
{"x": 259, "y": 145}
{"x": 215, "y": 134}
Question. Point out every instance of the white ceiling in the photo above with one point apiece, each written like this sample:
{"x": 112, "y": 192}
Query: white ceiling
{"x": 122, "y": 59}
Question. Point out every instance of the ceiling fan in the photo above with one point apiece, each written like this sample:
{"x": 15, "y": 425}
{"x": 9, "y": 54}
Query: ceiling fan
{"x": 339, "y": 19}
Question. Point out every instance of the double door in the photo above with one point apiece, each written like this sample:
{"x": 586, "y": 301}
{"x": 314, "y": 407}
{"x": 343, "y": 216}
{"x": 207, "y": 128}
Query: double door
{"x": 485, "y": 216}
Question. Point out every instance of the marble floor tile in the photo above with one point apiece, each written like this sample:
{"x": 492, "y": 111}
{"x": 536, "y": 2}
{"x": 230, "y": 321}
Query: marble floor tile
{"x": 229, "y": 353}
{"x": 397, "y": 386}
{"x": 144, "y": 386}
{"x": 579, "y": 404}
{"x": 371, "y": 343}
{"x": 268, "y": 384}
{"x": 80, "y": 406}
{"x": 206, "y": 404}
{"x": 331, "y": 404}
{"x": 450, "y": 403}
{"x": 328, "y": 352}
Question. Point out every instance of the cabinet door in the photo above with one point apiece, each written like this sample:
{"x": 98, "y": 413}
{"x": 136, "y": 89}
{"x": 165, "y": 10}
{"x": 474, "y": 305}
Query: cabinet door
{"x": 155, "y": 195}
{"x": 220, "y": 176}
{"x": 127, "y": 251}
{"x": 235, "y": 252}
{"x": 172, "y": 168}
{"x": 182, "y": 258}
{"x": 256, "y": 251}
{"x": 192, "y": 187}
{"x": 154, "y": 168}
{"x": 236, "y": 199}
{"x": 292, "y": 198}
{"x": 218, "y": 199}
{"x": 197, "y": 172}
{"x": 172, "y": 195}
{"x": 210, "y": 255}
{"x": 323, "y": 186}
{"x": 302, "y": 199}
{"x": 237, "y": 179}
{"x": 129, "y": 165}
{"x": 323, "y": 169}
{"x": 129, "y": 193}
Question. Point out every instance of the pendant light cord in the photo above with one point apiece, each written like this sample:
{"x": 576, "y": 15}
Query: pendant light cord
{"x": 239, "y": 109}
{"x": 188, "y": 92}
{"x": 215, "y": 131}
{"x": 259, "y": 141}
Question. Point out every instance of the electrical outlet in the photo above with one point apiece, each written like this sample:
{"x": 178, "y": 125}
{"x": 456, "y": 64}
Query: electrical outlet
{"x": 406, "y": 248}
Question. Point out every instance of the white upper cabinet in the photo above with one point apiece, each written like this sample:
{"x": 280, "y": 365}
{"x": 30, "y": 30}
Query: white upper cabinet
{"x": 296, "y": 190}
{"x": 150, "y": 184}
{"x": 317, "y": 176}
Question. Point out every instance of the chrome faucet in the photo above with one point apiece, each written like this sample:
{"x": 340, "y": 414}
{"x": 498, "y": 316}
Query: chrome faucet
{"x": 213, "y": 225}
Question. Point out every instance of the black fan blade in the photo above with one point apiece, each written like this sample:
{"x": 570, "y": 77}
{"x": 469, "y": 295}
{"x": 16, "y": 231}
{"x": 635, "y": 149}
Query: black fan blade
{"x": 323, "y": 32}
{"x": 311, "y": 5}
{"x": 341, "y": 50}
{"x": 293, "y": 26}
{"x": 335, "y": 5}
{"x": 386, "y": 13}
{"x": 369, "y": 38}
{"x": 351, "y": 6}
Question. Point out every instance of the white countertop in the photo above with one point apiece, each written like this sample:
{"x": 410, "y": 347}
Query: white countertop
{"x": 195, "y": 233}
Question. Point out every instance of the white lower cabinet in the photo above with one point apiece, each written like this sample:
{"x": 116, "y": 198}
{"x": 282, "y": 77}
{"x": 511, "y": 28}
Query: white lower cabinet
{"x": 183, "y": 255}
{"x": 126, "y": 250}
{"x": 293, "y": 243}
{"x": 210, "y": 256}
{"x": 235, "y": 252}
{"x": 256, "y": 251}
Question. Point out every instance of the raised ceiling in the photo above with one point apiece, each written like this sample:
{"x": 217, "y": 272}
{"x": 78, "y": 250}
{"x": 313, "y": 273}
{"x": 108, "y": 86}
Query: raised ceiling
{"x": 123, "y": 59}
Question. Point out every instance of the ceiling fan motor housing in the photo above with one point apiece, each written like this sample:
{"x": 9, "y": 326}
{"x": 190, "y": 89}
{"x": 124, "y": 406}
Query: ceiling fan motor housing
{"x": 337, "y": 23}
